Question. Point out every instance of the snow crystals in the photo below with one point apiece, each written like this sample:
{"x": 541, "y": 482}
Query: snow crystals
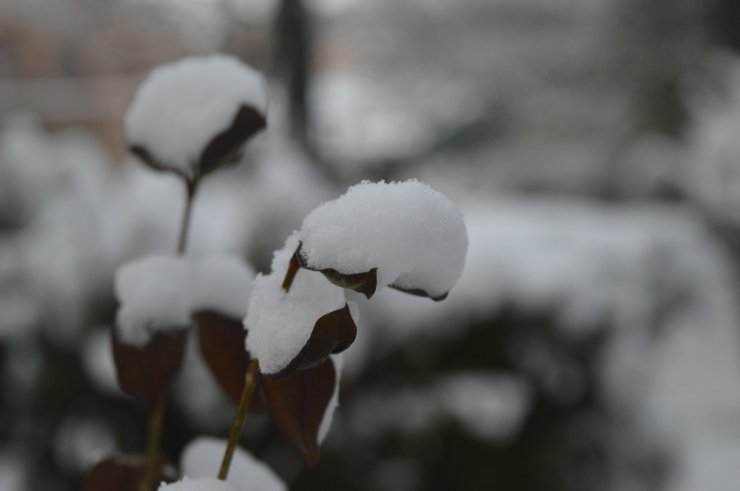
{"x": 412, "y": 234}
{"x": 280, "y": 323}
{"x": 202, "y": 458}
{"x": 162, "y": 292}
{"x": 182, "y": 106}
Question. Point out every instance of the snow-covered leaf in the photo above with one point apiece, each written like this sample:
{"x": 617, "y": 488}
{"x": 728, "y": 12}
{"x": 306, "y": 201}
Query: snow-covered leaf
{"x": 403, "y": 234}
{"x": 365, "y": 283}
{"x": 333, "y": 333}
{"x": 280, "y": 324}
{"x": 194, "y": 115}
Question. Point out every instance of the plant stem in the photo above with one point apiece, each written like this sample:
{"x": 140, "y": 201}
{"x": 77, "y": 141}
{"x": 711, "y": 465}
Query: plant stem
{"x": 156, "y": 417}
{"x": 250, "y": 383}
{"x": 191, "y": 185}
{"x": 293, "y": 267}
{"x": 154, "y": 435}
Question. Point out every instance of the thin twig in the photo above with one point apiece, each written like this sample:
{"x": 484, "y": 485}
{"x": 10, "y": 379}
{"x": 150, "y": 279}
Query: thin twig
{"x": 154, "y": 435}
{"x": 191, "y": 185}
{"x": 250, "y": 383}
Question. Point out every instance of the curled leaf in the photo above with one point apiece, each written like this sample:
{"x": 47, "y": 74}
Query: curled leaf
{"x": 147, "y": 158}
{"x": 226, "y": 147}
{"x": 124, "y": 473}
{"x": 333, "y": 333}
{"x": 419, "y": 292}
{"x": 365, "y": 283}
{"x": 297, "y": 403}
{"x": 147, "y": 372}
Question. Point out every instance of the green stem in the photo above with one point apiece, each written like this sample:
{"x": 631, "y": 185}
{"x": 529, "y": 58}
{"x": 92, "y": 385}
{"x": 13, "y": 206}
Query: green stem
{"x": 154, "y": 435}
{"x": 156, "y": 417}
{"x": 250, "y": 383}
{"x": 293, "y": 267}
{"x": 182, "y": 241}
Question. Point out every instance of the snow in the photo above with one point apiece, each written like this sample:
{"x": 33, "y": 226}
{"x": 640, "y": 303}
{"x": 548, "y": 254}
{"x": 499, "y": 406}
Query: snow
{"x": 97, "y": 359}
{"x": 334, "y": 401}
{"x": 181, "y": 106}
{"x": 153, "y": 296}
{"x": 279, "y": 324}
{"x": 413, "y": 234}
{"x": 222, "y": 283}
{"x": 162, "y": 292}
{"x": 207, "y": 484}
{"x": 202, "y": 458}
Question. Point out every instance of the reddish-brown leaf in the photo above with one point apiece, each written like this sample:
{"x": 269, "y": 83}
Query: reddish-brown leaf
{"x": 222, "y": 344}
{"x": 226, "y": 147}
{"x": 333, "y": 333}
{"x": 419, "y": 293}
{"x": 147, "y": 372}
{"x": 365, "y": 283}
{"x": 150, "y": 160}
{"x": 124, "y": 473}
{"x": 297, "y": 403}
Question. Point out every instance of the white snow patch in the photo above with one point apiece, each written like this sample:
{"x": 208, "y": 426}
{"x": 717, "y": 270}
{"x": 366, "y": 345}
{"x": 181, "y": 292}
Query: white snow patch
{"x": 222, "y": 283}
{"x": 153, "y": 295}
{"x": 280, "y": 323}
{"x": 202, "y": 458}
{"x": 413, "y": 234}
{"x": 207, "y": 484}
{"x": 97, "y": 358}
{"x": 181, "y": 106}
{"x": 162, "y": 292}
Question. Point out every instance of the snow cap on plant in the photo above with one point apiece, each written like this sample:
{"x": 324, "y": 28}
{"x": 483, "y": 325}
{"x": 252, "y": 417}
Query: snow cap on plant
{"x": 298, "y": 328}
{"x": 194, "y": 115}
{"x": 202, "y": 458}
{"x": 400, "y": 234}
{"x": 159, "y": 297}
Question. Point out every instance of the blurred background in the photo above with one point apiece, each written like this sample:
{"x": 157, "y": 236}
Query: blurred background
{"x": 593, "y": 146}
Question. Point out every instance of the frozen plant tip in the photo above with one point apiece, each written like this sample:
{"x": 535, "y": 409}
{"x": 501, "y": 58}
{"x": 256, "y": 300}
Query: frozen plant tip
{"x": 402, "y": 234}
{"x": 193, "y": 116}
{"x": 286, "y": 329}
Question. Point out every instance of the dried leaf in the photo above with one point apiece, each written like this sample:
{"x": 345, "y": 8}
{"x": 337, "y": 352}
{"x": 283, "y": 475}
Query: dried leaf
{"x": 147, "y": 158}
{"x": 124, "y": 473}
{"x": 365, "y": 283}
{"x": 222, "y": 344}
{"x": 419, "y": 293}
{"x": 226, "y": 147}
{"x": 146, "y": 373}
{"x": 297, "y": 403}
{"x": 333, "y": 333}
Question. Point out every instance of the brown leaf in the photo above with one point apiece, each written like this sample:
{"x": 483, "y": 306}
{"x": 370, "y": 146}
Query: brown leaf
{"x": 147, "y": 372}
{"x": 297, "y": 403}
{"x": 226, "y": 147}
{"x": 147, "y": 158}
{"x": 365, "y": 283}
{"x": 333, "y": 333}
{"x": 419, "y": 293}
{"x": 222, "y": 344}
{"x": 124, "y": 473}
